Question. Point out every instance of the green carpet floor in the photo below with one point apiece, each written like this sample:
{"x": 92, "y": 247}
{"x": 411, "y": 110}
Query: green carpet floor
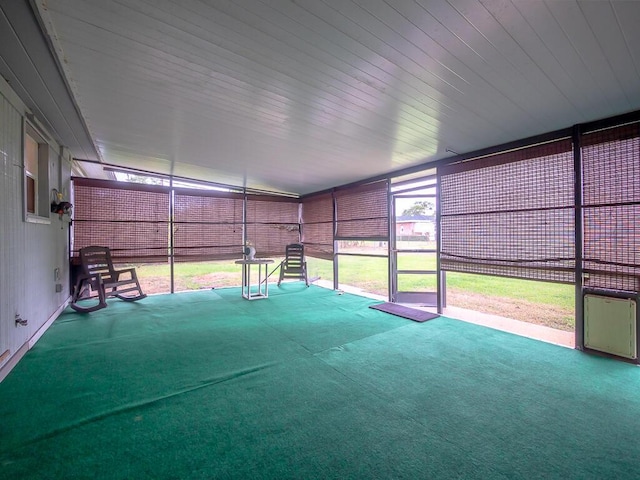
{"x": 308, "y": 384}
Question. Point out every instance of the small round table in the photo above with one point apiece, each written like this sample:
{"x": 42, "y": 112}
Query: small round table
{"x": 260, "y": 290}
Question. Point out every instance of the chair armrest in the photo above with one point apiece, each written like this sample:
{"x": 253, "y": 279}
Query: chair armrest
{"x": 89, "y": 276}
{"x": 131, "y": 271}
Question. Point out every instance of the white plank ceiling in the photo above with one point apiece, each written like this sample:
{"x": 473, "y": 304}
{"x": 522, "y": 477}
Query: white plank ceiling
{"x": 301, "y": 95}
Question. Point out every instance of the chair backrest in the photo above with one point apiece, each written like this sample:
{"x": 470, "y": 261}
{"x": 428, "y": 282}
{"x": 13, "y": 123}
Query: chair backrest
{"x": 96, "y": 260}
{"x": 294, "y": 255}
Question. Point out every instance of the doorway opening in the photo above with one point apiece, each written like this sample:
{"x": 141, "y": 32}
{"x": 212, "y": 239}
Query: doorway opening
{"x": 415, "y": 274}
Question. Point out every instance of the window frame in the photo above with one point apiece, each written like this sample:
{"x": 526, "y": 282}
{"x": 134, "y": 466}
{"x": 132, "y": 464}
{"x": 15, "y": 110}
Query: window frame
{"x": 40, "y": 178}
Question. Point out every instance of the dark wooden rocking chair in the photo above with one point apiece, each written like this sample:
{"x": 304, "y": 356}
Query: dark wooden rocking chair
{"x": 100, "y": 280}
{"x": 294, "y": 265}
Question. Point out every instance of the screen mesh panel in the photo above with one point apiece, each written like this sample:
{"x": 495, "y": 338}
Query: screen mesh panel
{"x": 317, "y": 226}
{"x": 363, "y": 212}
{"x": 131, "y": 219}
{"x": 272, "y": 224}
{"x": 611, "y": 208}
{"x": 511, "y": 214}
{"x": 207, "y": 225}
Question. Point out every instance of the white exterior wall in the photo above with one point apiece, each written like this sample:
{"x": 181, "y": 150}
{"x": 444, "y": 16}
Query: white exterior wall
{"x": 29, "y": 252}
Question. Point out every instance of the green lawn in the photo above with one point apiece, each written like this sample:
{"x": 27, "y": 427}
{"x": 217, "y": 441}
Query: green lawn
{"x": 371, "y": 274}
{"x": 540, "y": 302}
{"x": 536, "y": 292}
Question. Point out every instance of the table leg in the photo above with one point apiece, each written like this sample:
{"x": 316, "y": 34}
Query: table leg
{"x": 246, "y": 286}
{"x": 266, "y": 281}
{"x": 263, "y": 276}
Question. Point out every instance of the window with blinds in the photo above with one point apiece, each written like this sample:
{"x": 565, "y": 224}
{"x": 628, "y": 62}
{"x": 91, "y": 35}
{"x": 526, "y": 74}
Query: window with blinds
{"x": 272, "y": 223}
{"x": 131, "y": 219}
{"x": 362, "y": 212}
{"x": 511, "y": 214}
{"x": 317, "y": 226}
{"x": 207, "y": 225}
{"x": 611, "y": 208}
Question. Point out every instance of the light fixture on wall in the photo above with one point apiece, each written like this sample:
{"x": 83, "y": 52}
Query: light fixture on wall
{"x": 59, "y": 205}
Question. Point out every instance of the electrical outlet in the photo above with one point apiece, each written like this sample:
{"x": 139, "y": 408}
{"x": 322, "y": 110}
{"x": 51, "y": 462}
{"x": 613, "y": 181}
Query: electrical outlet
{"x": 58, "y": 287}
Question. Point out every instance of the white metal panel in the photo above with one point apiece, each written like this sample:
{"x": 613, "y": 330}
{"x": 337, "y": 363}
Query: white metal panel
{"x": 628, "y": 17}
{"x": 426, "y": 74}
{"x": 566, "y": 69}
{"x": 481, "y": 95}
{"x": 361, "y": 61}
{"x": 30, "y": 252}
{"x": 132, "y": 107}
{"x": 610, "y": 325}
{"x": 607, "y": 30}
{"x": 12, "y": 279}
{"x": 26, "y": 62}
{"x": 587, "y": 45}
{"x": 305, "y": 95}
{"x": 526, "y": 52}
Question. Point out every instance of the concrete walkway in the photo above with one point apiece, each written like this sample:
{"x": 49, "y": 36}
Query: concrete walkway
{"x": 525, "y": 329}
{"x": 517, "y": 327}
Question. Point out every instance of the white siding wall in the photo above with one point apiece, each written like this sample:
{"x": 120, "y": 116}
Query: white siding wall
{"x": 29, "y": 252}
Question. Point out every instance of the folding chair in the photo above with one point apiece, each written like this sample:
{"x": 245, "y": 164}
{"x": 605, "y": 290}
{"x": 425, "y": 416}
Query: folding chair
{"x": 99, "y": 279}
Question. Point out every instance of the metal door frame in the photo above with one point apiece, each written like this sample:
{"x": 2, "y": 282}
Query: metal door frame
{"x": 424, "y": 298}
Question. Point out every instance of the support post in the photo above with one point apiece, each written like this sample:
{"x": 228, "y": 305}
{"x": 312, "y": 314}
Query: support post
{"x": 579, "y": 303}
{"x": 171, "y": 233}
{"x": 440, "y": 284}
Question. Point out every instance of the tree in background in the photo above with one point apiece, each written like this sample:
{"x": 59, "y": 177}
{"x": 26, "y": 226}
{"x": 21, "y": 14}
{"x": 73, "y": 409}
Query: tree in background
{"x": 424, "y": 207}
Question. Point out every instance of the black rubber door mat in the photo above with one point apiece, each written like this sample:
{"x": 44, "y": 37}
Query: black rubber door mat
{"x": 405, "y": 312}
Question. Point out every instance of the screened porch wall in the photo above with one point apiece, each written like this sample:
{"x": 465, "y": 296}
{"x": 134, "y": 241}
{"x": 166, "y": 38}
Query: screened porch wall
{"x": 611, "y": 208}
{"x": 272, "y": 223}
{"x": 514, "y": 213}
{"x": 131, "y": 219}
{"x": 362, "y": 236}
{"x": 317, "y": 219}
{"x": 212, "y": 225}
{"x": 207, "y": 225}
{"x": 362, "y": 212}
{"x": 511, "y": 214}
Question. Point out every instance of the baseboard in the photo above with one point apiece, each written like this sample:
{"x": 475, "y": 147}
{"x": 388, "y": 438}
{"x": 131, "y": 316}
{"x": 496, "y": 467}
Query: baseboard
{"x": 13, "y": 361}
{"x": 28, "y": 345}
{"x": 36, "y": 336}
